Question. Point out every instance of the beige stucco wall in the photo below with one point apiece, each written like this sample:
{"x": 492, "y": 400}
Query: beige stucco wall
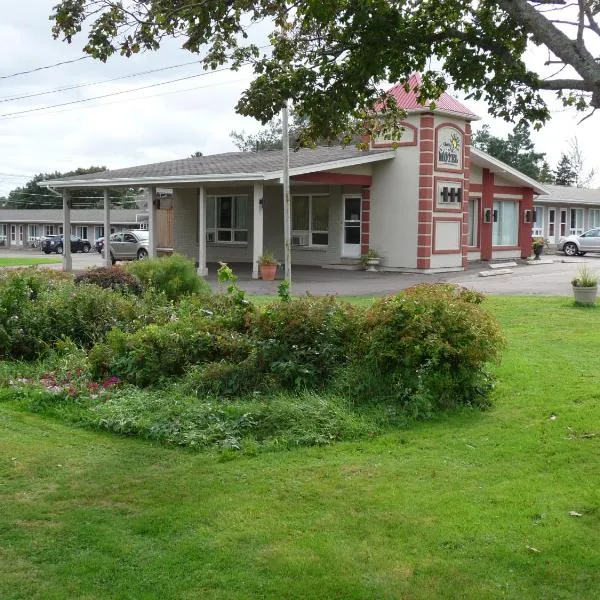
{"x": 394, "y": 209}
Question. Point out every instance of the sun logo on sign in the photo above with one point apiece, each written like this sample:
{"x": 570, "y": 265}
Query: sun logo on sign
{"x": 455, "y": 141}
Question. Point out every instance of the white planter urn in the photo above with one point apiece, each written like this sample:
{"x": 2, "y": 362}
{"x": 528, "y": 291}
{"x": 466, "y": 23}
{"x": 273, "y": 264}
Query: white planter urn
{"x": 585, "y": 295}
{"x": 372, "y": 264}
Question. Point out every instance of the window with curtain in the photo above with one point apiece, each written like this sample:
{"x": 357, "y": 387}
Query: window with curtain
{"x": 594, "y": 218}
{"x": 310, "y": 218}
{"x": 538, "y": 224}
{"x": 227, "y": 219}
{"x": 505, "y": 231}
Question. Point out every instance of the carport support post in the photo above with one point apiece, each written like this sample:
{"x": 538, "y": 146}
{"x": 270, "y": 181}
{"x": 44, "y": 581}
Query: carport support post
{"x": 67, "y": 262}
{"x": 257, "y": 227}
{"x": 152, "y": 232}
{"x": 202, "y": 270}
{"x": 107, "y": 260}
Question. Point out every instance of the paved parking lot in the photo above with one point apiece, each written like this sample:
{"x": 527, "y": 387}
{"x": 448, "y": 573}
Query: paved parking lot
{"x": 541, "y": 279}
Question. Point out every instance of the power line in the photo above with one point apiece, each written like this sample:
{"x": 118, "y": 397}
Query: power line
{"x": 83, "y": 85}
{"x": 199, "y": 87}
{"x": 58, "y": 64}
{"x": 144, "y": 87}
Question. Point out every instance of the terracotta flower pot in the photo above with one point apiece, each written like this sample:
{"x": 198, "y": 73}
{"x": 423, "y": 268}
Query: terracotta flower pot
{"x": 267, "y": 272}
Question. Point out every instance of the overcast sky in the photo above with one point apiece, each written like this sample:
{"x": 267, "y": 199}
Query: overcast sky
{"x": 162, "y": 123}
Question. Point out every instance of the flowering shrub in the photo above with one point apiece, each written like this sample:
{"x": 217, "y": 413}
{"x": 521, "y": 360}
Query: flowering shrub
{"x": 114, "y": 278}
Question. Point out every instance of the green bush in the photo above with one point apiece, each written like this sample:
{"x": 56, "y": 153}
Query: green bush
{"x": 37, "y": 310}
{"x": 115, "y": 278}
{"x": 302, "y": 342}
{"x": 145, "y": 356}
{"x": 174, "y": 275}
{"x": 426, "y": 348}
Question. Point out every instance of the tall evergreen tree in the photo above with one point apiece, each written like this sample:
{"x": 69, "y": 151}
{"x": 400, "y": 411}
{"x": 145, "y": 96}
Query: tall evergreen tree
{"x": 565, "y": 174}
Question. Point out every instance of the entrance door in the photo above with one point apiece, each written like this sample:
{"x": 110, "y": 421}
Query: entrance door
{"x": 552, "y": 225}
{"x": 563, "y": 222}
{"x": 352, "y": 229}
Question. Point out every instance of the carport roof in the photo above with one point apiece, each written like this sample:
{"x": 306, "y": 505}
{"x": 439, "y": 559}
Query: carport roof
{"x": 231, "y": 166}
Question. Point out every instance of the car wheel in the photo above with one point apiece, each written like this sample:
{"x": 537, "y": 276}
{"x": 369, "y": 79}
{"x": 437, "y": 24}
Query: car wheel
{"x": 142, "y": 254}
{"x": 59, "y": 249}
{"x": 570, "y": 249}
{"x": 46, "y": 251}
{"x": 86, "y": 248}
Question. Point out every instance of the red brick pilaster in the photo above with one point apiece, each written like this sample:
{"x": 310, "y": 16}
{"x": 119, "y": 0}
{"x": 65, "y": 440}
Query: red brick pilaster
{"x": 466, "y": 187}
{"x": 425, "y": 218}
{"x": 365, "y": 235}
{"x": 525, "y": 228}
{"x": 487, "y": 203}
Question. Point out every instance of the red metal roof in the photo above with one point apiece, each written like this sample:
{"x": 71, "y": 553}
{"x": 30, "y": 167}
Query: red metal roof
{"x": 445, "y": 103}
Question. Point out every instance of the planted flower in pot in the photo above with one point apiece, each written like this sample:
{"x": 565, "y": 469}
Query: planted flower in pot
{"x": 585, "y": 286}
{"x": 538, "y": 243}
{"x": 370, "y": 259}
{"x": 267, "y": 264}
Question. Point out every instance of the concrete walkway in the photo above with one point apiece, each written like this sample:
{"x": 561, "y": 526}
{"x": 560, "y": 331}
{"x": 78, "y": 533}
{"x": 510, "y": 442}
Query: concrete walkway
{"x": 540, "y": 279}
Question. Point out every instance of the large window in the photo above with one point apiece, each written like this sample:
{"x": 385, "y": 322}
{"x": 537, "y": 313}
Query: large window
{"x": 2, "y": 234}
{"x": 472, "y": 235}
{"x": 576, "y": 221}
{"x": 49, "y": 230}
{"x": 227, "y": 219}
{"x": 594, "y": 218}
{"x": 81, "y": 231}
{"x": 310, "y": 220}
{"x": 506, "y": 223}
{"x": 98, "y": 232}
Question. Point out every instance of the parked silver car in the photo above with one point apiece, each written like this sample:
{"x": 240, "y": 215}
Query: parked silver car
{"x": 129, "y": 245}
{"x": 574, "y": 245}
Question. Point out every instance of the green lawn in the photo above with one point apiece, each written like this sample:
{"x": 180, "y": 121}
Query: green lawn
{"x": 472, "y": 505}
{"x": 14, "y": 261}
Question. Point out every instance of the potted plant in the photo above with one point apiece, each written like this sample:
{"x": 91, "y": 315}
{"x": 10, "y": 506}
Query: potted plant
{"x": 538, "y": 243}
{"x": 585, "y": 286}
{"x": 370, "y": 260}
{"x": 267, "y": 265}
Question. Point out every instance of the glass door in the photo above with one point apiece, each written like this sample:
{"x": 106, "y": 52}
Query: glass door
{"x": 352, "y": 227}
{"x": 552, "y": 224}
{"x": 563, "y": 222}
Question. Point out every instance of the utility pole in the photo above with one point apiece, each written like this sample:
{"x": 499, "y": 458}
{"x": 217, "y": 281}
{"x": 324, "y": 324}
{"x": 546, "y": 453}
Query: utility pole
{"x": 287, "y": 201}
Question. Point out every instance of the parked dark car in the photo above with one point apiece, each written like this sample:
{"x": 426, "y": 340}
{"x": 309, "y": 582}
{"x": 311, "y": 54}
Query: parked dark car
{"x": 54, "y": 243}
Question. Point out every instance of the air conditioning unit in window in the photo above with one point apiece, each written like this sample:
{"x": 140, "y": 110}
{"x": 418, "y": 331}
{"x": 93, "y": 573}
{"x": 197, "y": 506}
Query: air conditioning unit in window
{"x": 300, "y": 239}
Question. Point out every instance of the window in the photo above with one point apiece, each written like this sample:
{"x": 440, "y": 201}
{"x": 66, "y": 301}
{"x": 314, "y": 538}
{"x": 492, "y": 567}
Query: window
{"x": 227, "y": 219}
{"x": 49, "y": 230}
{"x": 506, "y": 223}
{"x": 551, "y": 222}
{"x": 81, "y": 231}
{"x": 98, "y": 232}
{"x": 594, "y": 217}
{"x": 2, "y": 234}
{"x": 473, "y": 220}
{"x": 310, "y": 218}
{"x": 576, "y": 221}
{"x": 33, "y": 232}
{"x": 538, "y": 224}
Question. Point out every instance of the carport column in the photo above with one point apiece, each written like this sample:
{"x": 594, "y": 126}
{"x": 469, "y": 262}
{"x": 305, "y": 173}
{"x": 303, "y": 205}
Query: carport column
{"x": 257, "y": 227}
{"x": 152, "y": 231}
{"x": 202, "y": 270}
{"x": 107, "y": 260}
{"x": 525, "y": 238}
{"x": 67, "y": 263}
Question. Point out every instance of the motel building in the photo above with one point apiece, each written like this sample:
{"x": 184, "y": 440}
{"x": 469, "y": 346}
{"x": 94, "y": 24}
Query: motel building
{"x": 428, "y": 203}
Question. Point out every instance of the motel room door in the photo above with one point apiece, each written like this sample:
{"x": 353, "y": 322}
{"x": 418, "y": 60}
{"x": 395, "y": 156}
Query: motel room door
{"x": 351, "y": 227}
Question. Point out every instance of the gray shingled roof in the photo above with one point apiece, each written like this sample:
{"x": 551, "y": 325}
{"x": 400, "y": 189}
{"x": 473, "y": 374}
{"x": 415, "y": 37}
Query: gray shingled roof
{"x": 232, "y": 163}
{"x": 78, "y": 215}
{"x": 570, "y": 195}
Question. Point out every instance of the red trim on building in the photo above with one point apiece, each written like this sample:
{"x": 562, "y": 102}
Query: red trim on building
{"x": 334, "y": 178}
{"x": 476, "y": 187}
{"x": 425, "y": 214}
{"x": 400, "y": 144}
{"x": 509, "y": 189}
{"x": 458, "y": 220}
{"x": 426, "y": 169}
{"x": 462, "y": 137}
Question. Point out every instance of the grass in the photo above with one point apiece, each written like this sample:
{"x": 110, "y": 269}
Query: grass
{"x": 14, "y": 261}
{"x": 472, "y": 505}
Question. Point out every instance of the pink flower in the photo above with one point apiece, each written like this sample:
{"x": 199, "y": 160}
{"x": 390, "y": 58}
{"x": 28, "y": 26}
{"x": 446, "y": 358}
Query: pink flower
{"x": 107, "y": 383}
